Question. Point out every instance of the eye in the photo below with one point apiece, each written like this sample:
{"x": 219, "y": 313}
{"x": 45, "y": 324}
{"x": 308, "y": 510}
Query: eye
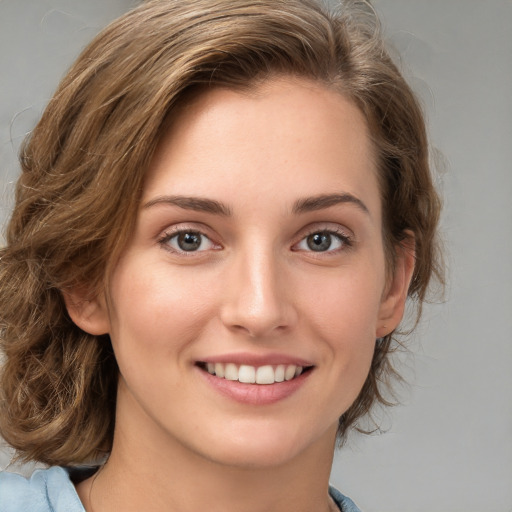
{"x": 323, "y": 241}
{"x": 187, "y": 241}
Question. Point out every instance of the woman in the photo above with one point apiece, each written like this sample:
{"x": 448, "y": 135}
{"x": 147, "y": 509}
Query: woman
{"x": 220, "y": 217}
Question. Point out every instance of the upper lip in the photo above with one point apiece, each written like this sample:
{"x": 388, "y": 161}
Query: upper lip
{"x": 257, "y": 359}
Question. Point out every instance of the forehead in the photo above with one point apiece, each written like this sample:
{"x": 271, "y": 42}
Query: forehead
{"x": 285, "y": 135}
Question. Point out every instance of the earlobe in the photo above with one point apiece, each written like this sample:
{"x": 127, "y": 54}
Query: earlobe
{"x": 91, "y": 315}
{"x": 393, "y": 302}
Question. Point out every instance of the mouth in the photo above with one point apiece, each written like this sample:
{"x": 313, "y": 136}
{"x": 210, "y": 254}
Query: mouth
{"x": 247, "y": 374}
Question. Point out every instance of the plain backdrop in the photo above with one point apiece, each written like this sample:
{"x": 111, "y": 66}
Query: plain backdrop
{"x": 448, "y": 448}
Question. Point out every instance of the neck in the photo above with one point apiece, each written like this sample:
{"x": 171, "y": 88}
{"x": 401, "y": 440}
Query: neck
{"x": 155, "y": 473}
{"x": 186, "y": 484}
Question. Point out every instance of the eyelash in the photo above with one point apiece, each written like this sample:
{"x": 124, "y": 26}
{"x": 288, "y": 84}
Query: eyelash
{"x": 345, "y": 240}
{"x": 168, "y": 236}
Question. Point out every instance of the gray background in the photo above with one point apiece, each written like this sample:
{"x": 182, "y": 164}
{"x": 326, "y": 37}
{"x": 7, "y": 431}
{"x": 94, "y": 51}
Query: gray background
{"x": 449, "y": 447}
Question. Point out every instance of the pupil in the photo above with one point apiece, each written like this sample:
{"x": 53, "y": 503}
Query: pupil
{"x": 319, "y": 241}
{"x": 189, "y": 241}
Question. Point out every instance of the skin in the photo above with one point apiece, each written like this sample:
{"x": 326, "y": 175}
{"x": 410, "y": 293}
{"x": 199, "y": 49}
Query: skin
{"x": 255, "y": 287}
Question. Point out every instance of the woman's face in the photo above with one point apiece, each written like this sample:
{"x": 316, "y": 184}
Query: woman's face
{"x": 257, "y": 254}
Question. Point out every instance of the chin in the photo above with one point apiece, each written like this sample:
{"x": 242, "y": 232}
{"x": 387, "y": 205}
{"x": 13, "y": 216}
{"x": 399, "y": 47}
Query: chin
{"x": 253, "y": 458}
{"x": 260, "y": 448}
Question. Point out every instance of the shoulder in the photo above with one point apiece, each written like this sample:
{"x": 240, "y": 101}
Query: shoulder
{"x": 345, "y": 504}
{"x": 47, "y": 490}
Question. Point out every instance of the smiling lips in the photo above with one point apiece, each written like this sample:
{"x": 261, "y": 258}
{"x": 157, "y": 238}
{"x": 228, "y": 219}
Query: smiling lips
{"x": 266, "y": 381}
{"x": 247, "y": 374}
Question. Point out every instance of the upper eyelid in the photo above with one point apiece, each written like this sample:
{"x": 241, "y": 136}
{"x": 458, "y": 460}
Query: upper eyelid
{"x": 337, "y": 229}
{"x": 326, "y": 227}
{"x": 194, "y": 227}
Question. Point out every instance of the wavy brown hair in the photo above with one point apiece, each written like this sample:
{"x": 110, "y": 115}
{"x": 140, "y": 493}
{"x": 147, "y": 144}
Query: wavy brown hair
{"x": 84, "y": 164}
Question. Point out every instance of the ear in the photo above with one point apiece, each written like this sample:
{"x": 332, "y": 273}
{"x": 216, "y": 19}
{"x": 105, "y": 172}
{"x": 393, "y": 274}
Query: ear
{"x": 393, "y": 301}
{"x": 91, "y": 315}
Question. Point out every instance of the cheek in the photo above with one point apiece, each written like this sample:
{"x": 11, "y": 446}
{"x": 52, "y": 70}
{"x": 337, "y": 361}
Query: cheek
{"x": 152, "y": 318}
{"x": 343, "y": 315}
{"x": 344, "y": 305}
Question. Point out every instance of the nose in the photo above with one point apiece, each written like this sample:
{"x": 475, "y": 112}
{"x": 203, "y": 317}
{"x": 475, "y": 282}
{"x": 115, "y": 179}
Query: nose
{"x": 257, "y": 299}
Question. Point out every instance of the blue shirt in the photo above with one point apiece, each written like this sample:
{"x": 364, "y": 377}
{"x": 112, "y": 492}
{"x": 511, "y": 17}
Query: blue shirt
{"x": 51, "y": 490}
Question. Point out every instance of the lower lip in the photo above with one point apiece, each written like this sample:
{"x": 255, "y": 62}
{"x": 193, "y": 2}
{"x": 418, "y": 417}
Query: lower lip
{"x": 255, "y": 394}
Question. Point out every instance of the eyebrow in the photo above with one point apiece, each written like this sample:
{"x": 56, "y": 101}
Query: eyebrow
{"x": 309, "y": 204}
{"x": 197, "y": 204}
{"x": 304, "y": 205}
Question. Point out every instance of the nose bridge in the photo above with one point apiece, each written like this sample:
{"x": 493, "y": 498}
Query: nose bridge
{"x": 257, "y": 300}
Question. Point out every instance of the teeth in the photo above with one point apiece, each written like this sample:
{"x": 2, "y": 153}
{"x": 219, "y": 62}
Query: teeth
{"x": 247, "y": 374}
{"x": 265, "y": 375}
{"x": 219, "y": 370}
{"x": 279, "y": 373}
{"x": 289, "y": 373}
{"x": 231, "y": 372}
{"x": 255, "y": 375}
